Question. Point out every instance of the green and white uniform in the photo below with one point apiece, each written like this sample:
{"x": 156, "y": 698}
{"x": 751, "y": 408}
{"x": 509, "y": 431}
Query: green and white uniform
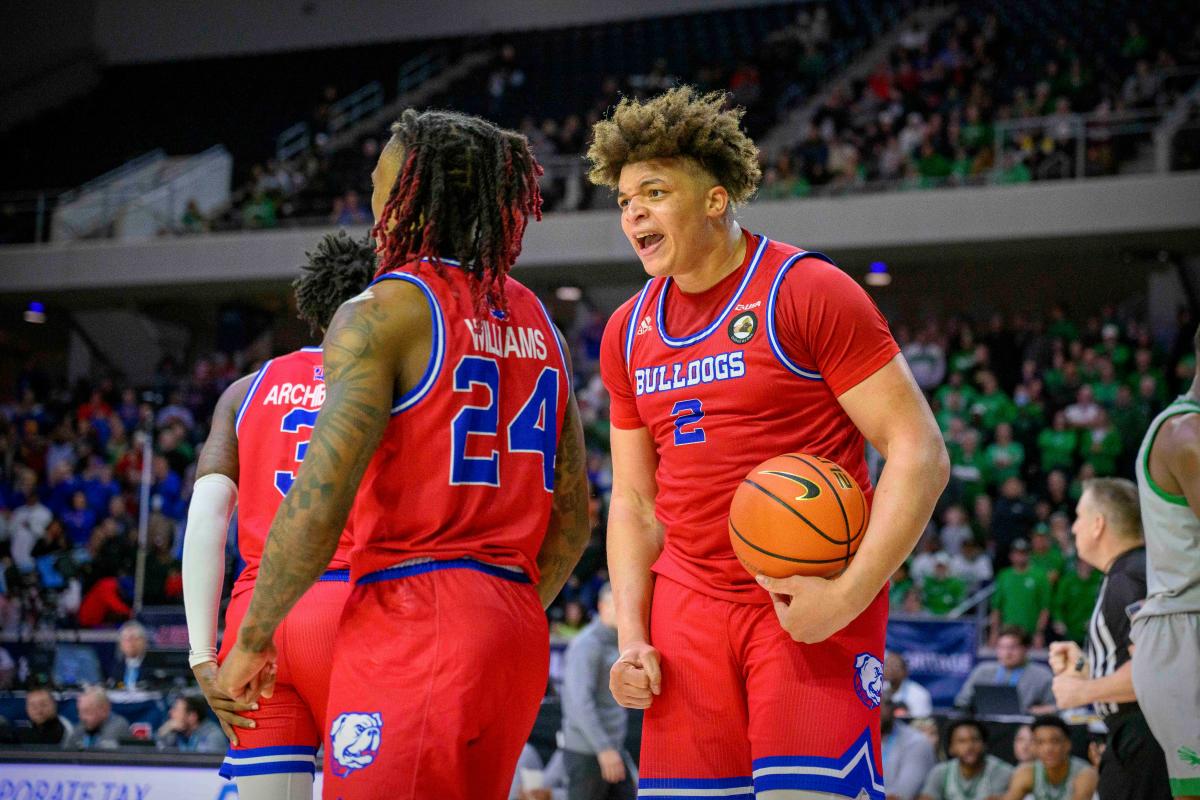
{"x": 1043, "y": 789}
{"x": 1166, "y": 631}
{"x": 945, "y": 781}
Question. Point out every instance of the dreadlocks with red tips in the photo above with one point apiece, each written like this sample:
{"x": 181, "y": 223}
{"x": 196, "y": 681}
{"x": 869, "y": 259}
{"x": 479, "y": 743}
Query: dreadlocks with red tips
{"x": 466, "y": 191}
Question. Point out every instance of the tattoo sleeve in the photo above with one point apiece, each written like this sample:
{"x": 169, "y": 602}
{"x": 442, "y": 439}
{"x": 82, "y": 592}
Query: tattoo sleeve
{"x": 569, "y": 529}
{"x": 219, "y": 455}
{"x": 359, "y": 378}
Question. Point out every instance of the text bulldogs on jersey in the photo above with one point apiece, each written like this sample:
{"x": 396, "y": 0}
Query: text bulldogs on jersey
{"x": 509, "y": 340}
{"x": 296, "y": 394}
{"x": 682, "y": 374}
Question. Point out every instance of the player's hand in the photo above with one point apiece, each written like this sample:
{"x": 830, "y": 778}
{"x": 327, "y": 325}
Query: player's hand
{"x": 1064, "y": 656}
{"x": 636, "y": 676}
{"x": 612, "y": 766}
{"x": 809, "y": 609}
{"x": 247, "y": 675}
{"x": 1070, "y": 690}
{"x": 224, "y": 706}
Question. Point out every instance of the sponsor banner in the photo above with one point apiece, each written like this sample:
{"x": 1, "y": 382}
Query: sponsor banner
{"x": 49, "y": 781}
{"x": 940, "y": 654}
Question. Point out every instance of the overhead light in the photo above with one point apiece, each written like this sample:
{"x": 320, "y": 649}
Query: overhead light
{"x": 36, "y": 313}
{"x": 878, "y": 275}
{"x": 569, "y": 294}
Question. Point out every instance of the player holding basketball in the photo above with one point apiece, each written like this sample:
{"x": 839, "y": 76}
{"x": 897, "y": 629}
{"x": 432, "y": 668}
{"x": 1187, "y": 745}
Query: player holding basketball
{"x": 449, "y": 401}
{"x": 1166, "y": 631}
{"x": 260, "y": 431}
{"x": 740, "y": 348}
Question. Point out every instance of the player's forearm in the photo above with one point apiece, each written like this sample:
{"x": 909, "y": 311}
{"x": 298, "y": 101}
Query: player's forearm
{"x": 570, "y": 526}
{"x": 1115, "y": 688}
{"x": 913, "y": 478}
{"x": 634, "y": 544}
{"x": 306, "y": 528}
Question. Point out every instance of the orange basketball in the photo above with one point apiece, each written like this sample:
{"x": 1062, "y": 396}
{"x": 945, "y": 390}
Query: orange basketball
{"x": 797, "y": 514}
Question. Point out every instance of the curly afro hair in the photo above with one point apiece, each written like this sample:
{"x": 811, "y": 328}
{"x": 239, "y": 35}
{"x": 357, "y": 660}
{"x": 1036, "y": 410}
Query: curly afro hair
{"x": 338, "y": 269}
{"x": 681, "y": 123}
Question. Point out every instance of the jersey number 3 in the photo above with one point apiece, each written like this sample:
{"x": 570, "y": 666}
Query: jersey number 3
{"x": 533, "y": 430}
{"x": 292, "y": 422}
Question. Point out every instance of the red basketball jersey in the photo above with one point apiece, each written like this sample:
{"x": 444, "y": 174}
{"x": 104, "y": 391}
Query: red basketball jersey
{"x": 729, "y": 377}
{"x": 466, "y": 465}
{"x": 273, "y": 427}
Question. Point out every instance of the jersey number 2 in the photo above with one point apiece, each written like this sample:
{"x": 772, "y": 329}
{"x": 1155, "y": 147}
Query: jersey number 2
{"x": 688, "y": 413}
{"x": 532, "y": 430}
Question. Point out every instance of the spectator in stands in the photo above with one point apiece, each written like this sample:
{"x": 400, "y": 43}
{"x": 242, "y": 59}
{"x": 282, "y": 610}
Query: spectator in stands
{"x": 1022, "y": 597}
{"x": 942, "y": 591}
{"x": 907, "y": 755}
{"x": 99, "y": 728}
{"x": 955, "y": 530}
{"x": 353, "y": 211}
{"x": 1085, "y": 412}
{"x": 45, "y": 726}
{"x": 189, "y": 729}
{"x": 132, "y": 643}
{"x": 1023, "y": 750}
{"x": 1012, "y": 517}
{"x": 1012, "y": 667}
{"x": 971, "y": 771}
{"x": 26, "y": 525}
{"x": 973, "y": 565}
{"x": 573, "y": 621}
{"x": 103, "y": 604}
{"x": 552, "y": 777}
{"x": 594, "y": 724}
{"x": 906, "y": 692}
{"x": 926, "y": 359}
{"x": 1074, "y": 598}
{"x": 1055, "y": 773}
{"x": 1045, "y": 555}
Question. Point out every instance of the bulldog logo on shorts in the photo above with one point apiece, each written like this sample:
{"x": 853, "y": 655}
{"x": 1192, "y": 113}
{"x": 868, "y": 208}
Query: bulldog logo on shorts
{"x": 868, "y": 679}
{"x": 354, "y": 742}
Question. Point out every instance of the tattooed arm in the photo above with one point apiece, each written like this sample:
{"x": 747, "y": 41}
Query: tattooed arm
{"x": 569, "y": 529}
{"x": 368, "y": 350}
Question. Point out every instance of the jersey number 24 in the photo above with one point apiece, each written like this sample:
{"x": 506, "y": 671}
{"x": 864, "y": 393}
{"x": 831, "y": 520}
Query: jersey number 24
{"x": 533, "y": 430}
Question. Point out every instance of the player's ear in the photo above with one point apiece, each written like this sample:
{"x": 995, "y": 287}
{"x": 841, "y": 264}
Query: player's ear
{"x": 716, "y": 201}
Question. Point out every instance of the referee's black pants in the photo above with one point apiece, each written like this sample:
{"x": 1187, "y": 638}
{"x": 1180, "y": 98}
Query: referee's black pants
{"x": 1133, "y": 766}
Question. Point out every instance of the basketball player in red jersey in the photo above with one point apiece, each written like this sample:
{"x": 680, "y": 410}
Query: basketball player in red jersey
{"x": 449, "y": 402}
{"x": 260, "y": 432}
{"x": 740, "y": 348}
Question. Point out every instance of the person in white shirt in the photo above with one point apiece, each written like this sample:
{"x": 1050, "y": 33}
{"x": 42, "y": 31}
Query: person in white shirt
{"x": 973, "y": 564}
{"x": 905, "y": 691}
{"x": 27, "y": 524}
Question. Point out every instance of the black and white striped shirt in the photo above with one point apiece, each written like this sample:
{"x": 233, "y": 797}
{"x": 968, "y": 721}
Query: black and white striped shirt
{"x": 1108, "y": 631}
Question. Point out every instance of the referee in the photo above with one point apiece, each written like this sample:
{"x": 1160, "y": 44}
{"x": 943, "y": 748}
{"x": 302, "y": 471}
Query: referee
{"x": 1108, "y": 535}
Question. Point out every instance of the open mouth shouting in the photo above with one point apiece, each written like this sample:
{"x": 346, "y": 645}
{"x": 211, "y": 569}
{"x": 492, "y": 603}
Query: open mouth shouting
{"x": 647, "y": 243}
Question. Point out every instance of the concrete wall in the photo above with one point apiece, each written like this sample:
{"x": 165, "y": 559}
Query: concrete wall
{"x": 1045, "y": 225}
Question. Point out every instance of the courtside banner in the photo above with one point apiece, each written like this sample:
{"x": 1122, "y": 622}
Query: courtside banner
{"x": 51, "y": 781}
{"x": 940, "y": 653}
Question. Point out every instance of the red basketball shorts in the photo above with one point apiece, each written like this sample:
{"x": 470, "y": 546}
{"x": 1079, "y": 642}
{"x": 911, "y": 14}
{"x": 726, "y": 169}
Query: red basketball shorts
{"x": 746, "y": 710}
{"x": 291, "y": 721}
{"x": 438, "y": 673}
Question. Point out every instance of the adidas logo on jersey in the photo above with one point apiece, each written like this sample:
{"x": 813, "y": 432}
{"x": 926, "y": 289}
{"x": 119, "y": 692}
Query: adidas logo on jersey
{"x": 644, "y": 327}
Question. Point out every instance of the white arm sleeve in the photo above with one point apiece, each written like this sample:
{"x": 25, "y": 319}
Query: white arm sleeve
{"x": 213, "y": 499}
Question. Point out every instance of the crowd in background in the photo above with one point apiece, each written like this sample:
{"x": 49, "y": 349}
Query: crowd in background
{"x": 925, "y": 116}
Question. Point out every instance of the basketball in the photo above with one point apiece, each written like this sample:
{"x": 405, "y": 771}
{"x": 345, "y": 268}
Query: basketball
{"x": 797, "y": 514}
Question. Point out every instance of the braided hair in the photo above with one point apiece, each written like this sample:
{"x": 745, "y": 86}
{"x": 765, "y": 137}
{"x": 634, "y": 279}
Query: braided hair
{"x": 466, "y": 190}
{"x": 339, "y": 268}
